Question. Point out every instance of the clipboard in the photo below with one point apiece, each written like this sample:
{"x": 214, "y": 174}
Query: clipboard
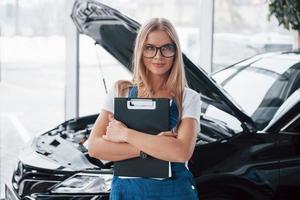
{"x": 149, "y": 115}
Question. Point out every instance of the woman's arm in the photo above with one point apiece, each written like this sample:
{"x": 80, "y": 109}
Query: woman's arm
{"x": 172, "y": 149}
{"x": 167, "y": 148}
{"x": 107, "y": 150}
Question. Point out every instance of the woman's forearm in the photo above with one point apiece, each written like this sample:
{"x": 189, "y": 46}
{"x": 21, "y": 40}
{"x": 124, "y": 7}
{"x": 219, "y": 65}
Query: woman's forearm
{"x": 161, "y": 147}
{"x": 106, "y": 150}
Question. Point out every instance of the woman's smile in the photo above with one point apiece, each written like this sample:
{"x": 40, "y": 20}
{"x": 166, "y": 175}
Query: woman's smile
{"x": 159, "y": 65}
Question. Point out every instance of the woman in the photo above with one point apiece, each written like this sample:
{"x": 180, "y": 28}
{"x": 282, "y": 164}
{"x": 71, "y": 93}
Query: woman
{"x": 158, "y": 73}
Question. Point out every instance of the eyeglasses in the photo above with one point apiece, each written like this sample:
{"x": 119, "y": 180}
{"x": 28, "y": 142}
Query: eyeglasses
{"x": 167, "y": 50}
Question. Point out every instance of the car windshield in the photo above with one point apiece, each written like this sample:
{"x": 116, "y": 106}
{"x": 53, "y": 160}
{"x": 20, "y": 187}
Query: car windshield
{"x": 261, "y": 87}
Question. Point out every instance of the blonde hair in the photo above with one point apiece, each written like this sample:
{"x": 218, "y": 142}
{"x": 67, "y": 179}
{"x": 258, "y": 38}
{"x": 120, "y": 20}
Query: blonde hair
{"x": 176, "y": 80}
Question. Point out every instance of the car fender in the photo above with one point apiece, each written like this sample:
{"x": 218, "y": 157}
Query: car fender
{"x": 236, "y": 184}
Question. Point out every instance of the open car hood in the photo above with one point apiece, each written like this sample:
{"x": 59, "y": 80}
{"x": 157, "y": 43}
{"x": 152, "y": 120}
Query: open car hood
{"x": 116, "y": 33}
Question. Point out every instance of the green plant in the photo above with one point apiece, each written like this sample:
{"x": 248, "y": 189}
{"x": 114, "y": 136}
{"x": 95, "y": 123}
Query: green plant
{"x": 287, "y": 13}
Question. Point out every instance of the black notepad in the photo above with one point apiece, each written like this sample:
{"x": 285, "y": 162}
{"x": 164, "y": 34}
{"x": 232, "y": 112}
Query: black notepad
{"x": 149, "y": 116}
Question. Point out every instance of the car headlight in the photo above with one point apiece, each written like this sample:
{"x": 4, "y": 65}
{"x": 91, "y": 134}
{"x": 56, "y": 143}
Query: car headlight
{"x": 85, "y": 183}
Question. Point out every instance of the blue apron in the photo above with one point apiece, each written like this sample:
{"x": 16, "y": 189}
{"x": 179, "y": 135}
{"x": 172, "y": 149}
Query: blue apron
{"x": 180, "y": 187}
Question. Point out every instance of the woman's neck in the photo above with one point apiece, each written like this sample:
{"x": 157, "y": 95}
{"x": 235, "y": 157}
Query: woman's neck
{"x": 158, "y": 83}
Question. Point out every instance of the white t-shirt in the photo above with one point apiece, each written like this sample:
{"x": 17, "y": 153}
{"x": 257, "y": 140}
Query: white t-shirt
{"x": 191, "y": 107}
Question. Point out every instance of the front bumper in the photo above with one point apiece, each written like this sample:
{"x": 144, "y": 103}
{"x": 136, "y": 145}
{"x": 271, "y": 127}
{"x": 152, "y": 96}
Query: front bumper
{"x": 10, "y": 194}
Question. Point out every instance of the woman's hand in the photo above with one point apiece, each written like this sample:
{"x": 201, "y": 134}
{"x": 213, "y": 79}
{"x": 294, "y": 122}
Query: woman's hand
{"x": 115, "y": 131}
{"x": 168, "y": 134}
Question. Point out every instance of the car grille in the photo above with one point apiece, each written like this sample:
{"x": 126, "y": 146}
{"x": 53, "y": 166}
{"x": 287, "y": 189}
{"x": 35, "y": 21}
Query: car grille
{"x": 27, "y": 179}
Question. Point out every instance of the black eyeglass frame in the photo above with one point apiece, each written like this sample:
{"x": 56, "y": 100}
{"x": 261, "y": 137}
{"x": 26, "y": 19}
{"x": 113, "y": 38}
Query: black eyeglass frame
{"x": 159, "y": 48}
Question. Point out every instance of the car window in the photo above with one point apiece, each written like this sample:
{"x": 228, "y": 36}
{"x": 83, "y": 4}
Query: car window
{"x": 261, "y": 87}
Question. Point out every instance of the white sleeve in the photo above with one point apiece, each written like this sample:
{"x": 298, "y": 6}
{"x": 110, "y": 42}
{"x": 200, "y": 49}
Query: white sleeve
{"x": 109, "y": 101}
{"x": 191, "y": 105}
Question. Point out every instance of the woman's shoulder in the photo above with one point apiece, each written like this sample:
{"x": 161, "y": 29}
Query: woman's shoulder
{"x": 121, "y": 87}
{"x": 188, "y": 92}
{"x": 122, "y": 83}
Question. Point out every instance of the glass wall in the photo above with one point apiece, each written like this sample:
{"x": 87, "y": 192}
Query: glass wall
{"x": 96, "y": 67}
{"x": 242, "y": 29}
{"x": 32, "y": 59}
